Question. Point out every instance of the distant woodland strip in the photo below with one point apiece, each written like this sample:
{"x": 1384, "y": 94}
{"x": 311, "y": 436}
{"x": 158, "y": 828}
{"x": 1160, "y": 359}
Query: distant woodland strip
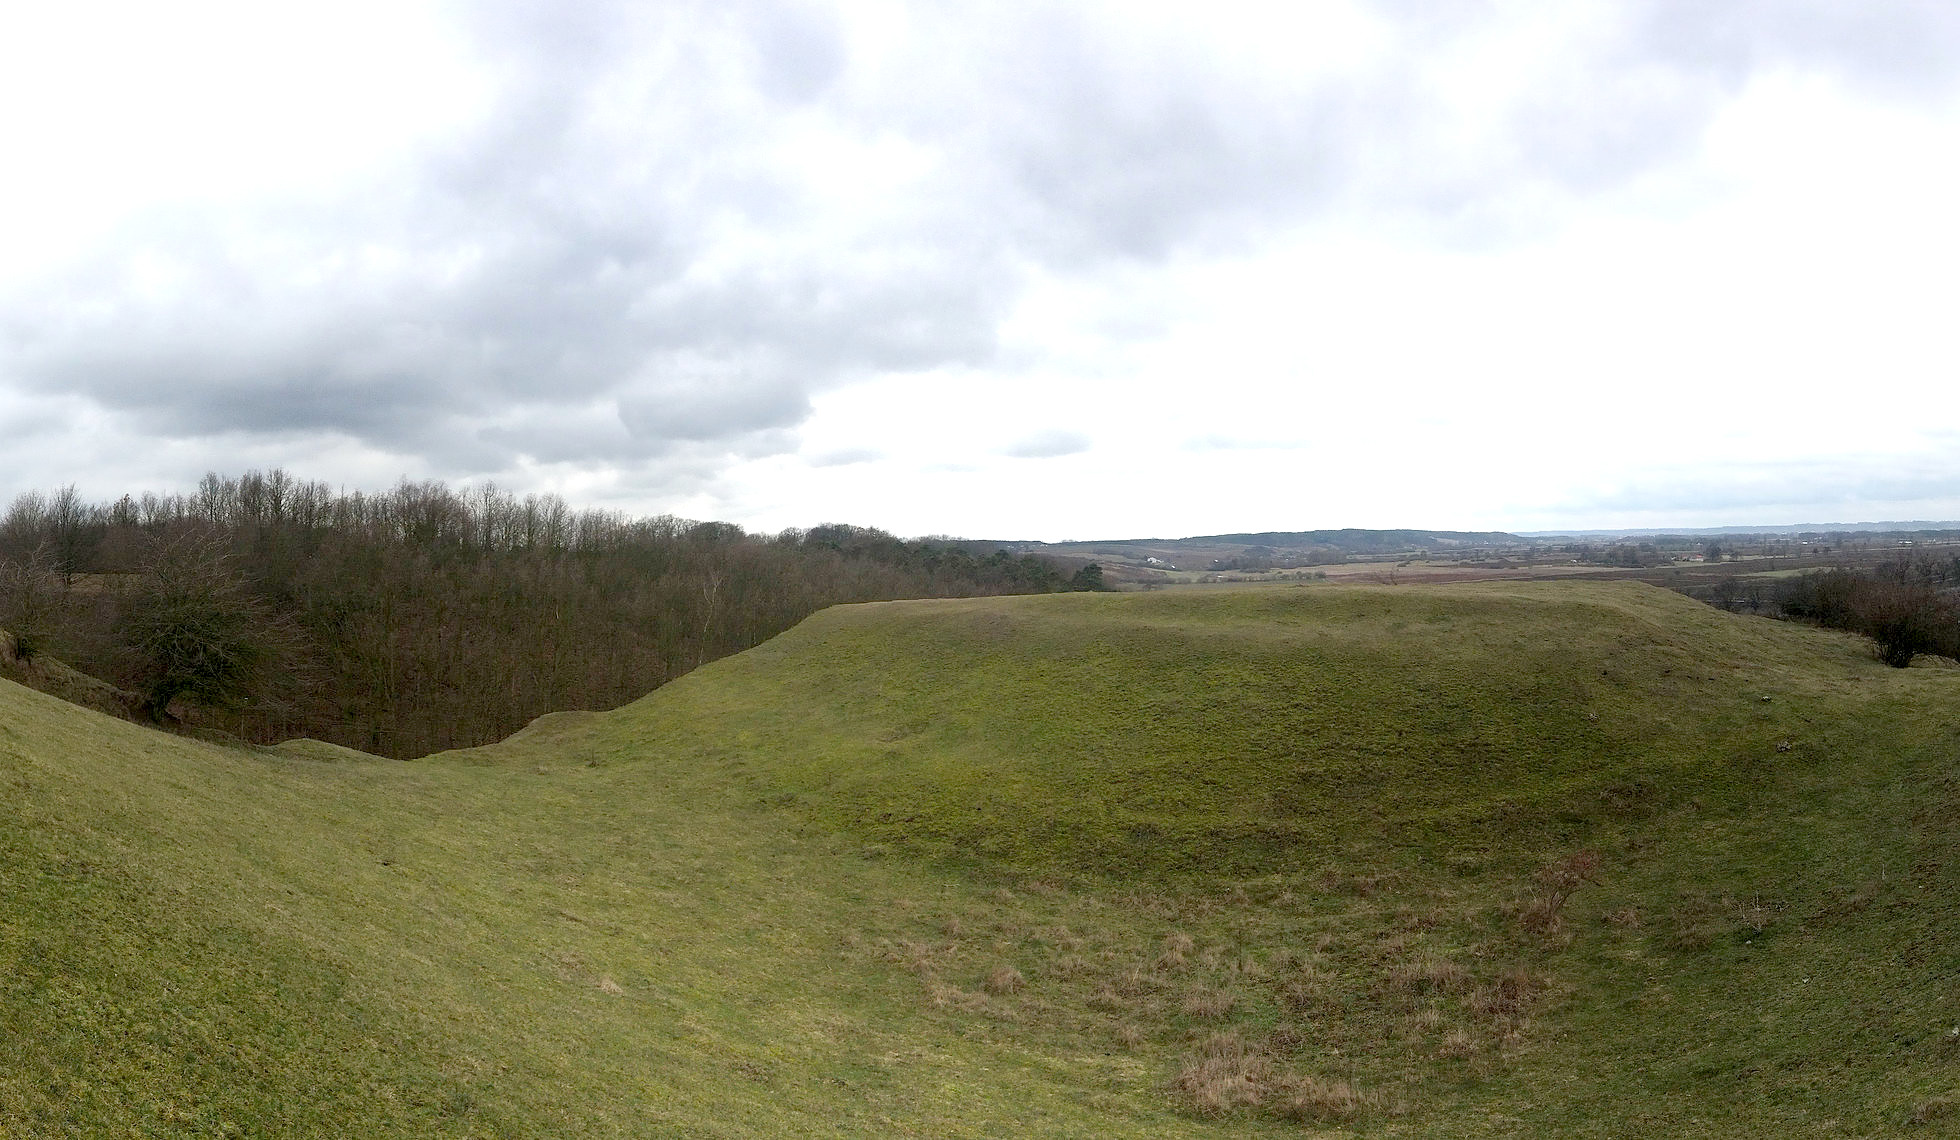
{"x": 425, "y": 617}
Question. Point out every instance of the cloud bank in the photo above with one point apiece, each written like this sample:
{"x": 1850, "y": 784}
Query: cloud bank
{"x": 644, "y": 243}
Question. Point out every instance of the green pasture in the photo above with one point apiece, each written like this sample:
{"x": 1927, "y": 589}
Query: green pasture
{"x": 1551, "y": 859}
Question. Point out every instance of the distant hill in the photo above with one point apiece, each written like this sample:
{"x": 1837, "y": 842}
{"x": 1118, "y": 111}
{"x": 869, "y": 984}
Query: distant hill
{"x": 1914, "y": 527}
{"x": 1346, "y": 540}
{"x": 1366, "y": 541}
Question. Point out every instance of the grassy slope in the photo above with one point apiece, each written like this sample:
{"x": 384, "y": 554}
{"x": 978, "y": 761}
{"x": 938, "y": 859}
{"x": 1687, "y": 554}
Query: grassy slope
{"x": 764, "y": 899}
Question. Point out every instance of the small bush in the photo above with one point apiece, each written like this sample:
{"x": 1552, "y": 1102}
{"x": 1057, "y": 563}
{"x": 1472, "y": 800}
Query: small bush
{"x": 1904, "y": 621}
{"x": 25, "y": 645}
{"x": 1543, "y": 912}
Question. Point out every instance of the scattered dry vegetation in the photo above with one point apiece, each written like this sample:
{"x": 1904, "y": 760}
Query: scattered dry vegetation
{"x": 1266, "y": 997}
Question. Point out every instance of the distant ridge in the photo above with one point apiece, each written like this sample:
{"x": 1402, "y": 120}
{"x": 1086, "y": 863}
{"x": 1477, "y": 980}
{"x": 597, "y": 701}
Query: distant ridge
{"x": 1915, "y": 526}
{"x": 1355, "y": 540}
{"x": 1350, "y": 540}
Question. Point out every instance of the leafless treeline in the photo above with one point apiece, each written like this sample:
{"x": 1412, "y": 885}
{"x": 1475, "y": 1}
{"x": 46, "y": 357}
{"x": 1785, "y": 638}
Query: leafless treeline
{"x": 426, "y": 617}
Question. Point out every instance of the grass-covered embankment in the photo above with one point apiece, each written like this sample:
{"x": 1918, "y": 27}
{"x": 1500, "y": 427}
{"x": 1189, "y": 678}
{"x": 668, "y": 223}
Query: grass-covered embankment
{"x": 1078, "y": 864}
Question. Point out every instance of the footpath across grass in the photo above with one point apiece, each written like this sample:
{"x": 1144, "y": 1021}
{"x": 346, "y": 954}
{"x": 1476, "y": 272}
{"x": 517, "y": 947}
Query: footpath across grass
{"x": 1562, "y": 859}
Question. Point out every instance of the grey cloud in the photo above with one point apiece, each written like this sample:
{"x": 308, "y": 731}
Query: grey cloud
{"x": 799, "y": 50}
{"x": 623, "y": 230}
{"x": 1049, "y": 445}
{"x": 1907, "y": 48}
{"x": 712, "y": 408}
{"x": 559, "y": 251}
{"x": 585, "y": 434}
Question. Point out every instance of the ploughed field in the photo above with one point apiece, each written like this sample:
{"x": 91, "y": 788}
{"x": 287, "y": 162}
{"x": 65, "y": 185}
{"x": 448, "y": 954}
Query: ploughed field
{"x": 1554, "y": 859}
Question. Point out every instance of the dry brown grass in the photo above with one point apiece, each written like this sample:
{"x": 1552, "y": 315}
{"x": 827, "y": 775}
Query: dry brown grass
{"x": 1312, "y": 1099}
{"x": 1935, "y": 1108}
{"x": 1004, "y": 980}
{"x": 1070, "y": 966}
{"x": 1428, "y": 975}
{"x": 1458, "y": 1045}
{"x": 1287, "y": 1037}
{"x": 1226, "y": 1076}
{"x": 1310, "y": 995}
{"x": 1246, "y": 966}
{"x": 1223, "y": 1076}
{"x": 1510, "y": 995}
{"x": 1209, "y": 1003}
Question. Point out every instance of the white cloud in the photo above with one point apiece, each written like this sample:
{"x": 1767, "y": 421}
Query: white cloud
{"x": 1241, "y": 268}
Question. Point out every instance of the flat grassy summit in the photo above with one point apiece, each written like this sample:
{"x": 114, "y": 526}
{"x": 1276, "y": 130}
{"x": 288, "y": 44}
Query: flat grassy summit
{"x": 1536, "y": 860}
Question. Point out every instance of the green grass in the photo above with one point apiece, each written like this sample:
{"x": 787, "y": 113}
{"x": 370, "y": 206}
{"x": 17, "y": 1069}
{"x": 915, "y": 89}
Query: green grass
{"x": 1060, "y": 865}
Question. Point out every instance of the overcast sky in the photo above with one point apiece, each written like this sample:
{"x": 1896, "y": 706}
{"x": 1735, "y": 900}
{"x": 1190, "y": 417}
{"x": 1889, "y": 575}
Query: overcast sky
{"x": 1065, "y": 270}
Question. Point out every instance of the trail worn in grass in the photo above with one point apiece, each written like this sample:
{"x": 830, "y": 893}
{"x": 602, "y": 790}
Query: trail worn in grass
{"x": 1543, "y": 860}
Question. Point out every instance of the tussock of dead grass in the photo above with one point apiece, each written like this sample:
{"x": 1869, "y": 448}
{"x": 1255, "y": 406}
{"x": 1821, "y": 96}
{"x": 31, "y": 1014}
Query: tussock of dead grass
{"x": 1004, "y": 980}
{"x": 1224, "y": 1076}
{"x": 1209, "y": 1003}
{"x": 1313, "y": 1099}
{"x": 1287, "y": 1037}
{"x": 1309, "y": 996}
{"x": 1457, "y": 1045}
{"x": 1934, "y": 1108}
{"x": 1508, "y": 998}
{"x": 1429, "y": 975}
{"x": 1070, "y": 966}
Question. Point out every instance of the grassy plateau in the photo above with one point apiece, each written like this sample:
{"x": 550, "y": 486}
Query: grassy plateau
{"x": 1536, "y": 860}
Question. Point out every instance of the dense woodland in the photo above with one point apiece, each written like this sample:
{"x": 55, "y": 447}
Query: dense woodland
{"x": 426, "y": 617}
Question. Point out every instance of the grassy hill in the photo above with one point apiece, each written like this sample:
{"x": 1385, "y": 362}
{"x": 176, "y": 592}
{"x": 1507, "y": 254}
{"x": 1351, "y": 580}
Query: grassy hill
{"x": 1552, "y": 860}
